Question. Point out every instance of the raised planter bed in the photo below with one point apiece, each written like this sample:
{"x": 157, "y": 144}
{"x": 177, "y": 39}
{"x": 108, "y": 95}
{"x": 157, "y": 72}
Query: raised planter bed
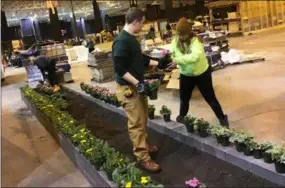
{"x": 109, "y": 123}
{"x": 94, "y": 177}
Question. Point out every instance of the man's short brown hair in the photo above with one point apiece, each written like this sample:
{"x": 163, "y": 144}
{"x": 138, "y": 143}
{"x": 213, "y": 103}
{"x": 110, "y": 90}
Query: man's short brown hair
{"x": 134, "y": 14}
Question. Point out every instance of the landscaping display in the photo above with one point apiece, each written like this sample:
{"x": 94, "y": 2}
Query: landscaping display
{"x": 97, "y": 129}
{"x": 97, "y": 151}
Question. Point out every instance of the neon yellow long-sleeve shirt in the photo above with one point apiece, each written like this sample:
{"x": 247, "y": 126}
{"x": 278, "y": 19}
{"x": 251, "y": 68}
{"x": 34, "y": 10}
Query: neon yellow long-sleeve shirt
{"x": 194, "y": 61}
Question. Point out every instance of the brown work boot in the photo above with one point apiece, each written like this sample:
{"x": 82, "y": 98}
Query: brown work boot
{"x": 150, "y": 165}
{"x": 56, "y": 88}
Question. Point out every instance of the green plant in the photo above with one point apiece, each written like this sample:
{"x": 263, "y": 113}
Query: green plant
{"x": 202, "y": 125}
{"x": 266, "y": 146}
{"x": 113, "y": 160}
{"x": 95, "y": 154}
{"x": 153, "y": 83}
{"x": 277, "y": 152}
{"x": 282, "y": 158}
{"x": 129, "y": 173}
{"x": 130, "y": 176}
{"x": 165, "y": 111}
{"x": 189, "y": 120}
{"x": 151, "y": 108}
{"x": 221, "y": 131}
{"x": 252, "y": 145}
{"x": 241, "y": 137}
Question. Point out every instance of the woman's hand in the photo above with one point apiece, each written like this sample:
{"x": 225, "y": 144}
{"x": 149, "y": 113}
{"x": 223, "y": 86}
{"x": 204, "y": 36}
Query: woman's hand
{"x": 171, "y": 65}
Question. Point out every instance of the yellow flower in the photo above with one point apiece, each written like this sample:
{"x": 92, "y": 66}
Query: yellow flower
{"x": 144, "y": 180}
{"x": 89, "y": 150}
{"x": 71, "y": 121}
{"x": 121, "y": 160}
{"x": 82, "y": 130}
{"x": 82, "y": 141}
{"x": 81, "y": 136}
{"x": 74, "y": 136}
{"x": 129, "y": 184}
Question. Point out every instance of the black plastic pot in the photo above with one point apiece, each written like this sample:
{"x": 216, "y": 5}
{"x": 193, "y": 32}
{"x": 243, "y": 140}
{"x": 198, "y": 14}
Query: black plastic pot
{"x": 257, "y": 154}
{"x": 203, "y": 133}
{"x": 166, "y": 118}
{"x": 109, "y": 176}
{"x": 190, "y": 128}
{"x": 98, "y": 165}
{"x": 240, "y": 147}
{"x": 247, "y": 151}
{"x": 117, "y": 104}
{"x": 153, "y": 95}
{"x": 267, "y": 158}
{"x": 151, "y": 115}
{"x": 223, "y": 140}
{"x": 279, "y": 167}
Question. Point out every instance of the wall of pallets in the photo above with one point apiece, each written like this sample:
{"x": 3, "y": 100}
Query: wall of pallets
{"x": 260, "y": 15}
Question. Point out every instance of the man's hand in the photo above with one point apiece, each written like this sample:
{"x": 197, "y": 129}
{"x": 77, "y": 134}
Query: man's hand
{"x": 143, "y": 88}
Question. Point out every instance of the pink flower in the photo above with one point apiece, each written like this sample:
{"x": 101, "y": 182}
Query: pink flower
{"x": 164, "y": 52}
{"x": 193, "y": 183}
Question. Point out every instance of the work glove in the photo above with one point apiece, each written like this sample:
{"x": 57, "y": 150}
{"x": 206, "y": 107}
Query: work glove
{"x": 164, "y": 62}
{"x": 143, "y": 88}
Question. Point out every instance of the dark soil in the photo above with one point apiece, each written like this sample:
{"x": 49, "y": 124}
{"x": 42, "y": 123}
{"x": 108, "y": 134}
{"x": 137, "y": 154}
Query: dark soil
{"x": 178, "y": 161}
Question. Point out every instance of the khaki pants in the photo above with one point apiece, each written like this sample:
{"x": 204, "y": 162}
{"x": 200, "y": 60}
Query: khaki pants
{"x": 136, "y": 108}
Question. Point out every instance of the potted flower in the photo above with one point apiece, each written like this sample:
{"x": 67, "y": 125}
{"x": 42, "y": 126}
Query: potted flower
{"x": 166, "y": 113}
{"x": 250, "y": 145}
{"x": 153, "y": 85}
{"x": 151, "y": 110}
{"x": 239, "y": 139}
{"x": 257, "y": 151}
{"x": 202, "y": 127}
{"x": 195, "y": 183}
{"x": 222, "y": 134}
{"x": 280, "y": 164}
{"x": 266, "y": 155}
{"x": 278, "y": 156}
{"x": 189, "y": 122}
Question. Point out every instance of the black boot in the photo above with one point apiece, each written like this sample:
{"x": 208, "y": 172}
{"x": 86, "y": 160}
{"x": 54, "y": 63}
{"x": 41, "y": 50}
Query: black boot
{"x": 224, "y": 122}
{"x": 180, "y": 119}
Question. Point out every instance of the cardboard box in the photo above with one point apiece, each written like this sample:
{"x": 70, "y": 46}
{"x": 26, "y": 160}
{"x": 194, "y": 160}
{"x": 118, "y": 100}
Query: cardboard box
{"x": 234, "y": 27}
{"x": 232, "y": 15}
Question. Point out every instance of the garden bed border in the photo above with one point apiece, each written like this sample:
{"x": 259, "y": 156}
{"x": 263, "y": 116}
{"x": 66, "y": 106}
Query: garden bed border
{"x": 94, "y": 177}
{"x": 209, "y": 145}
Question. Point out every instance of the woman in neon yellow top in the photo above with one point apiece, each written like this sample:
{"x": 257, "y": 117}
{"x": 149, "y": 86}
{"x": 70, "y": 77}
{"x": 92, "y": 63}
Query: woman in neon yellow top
{"x": 189, "y": 56}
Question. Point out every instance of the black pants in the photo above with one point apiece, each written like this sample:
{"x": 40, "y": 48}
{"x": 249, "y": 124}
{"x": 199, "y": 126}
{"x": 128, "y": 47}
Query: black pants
{"x": 51, "y": 73}
{"x": 205, "y": 85}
